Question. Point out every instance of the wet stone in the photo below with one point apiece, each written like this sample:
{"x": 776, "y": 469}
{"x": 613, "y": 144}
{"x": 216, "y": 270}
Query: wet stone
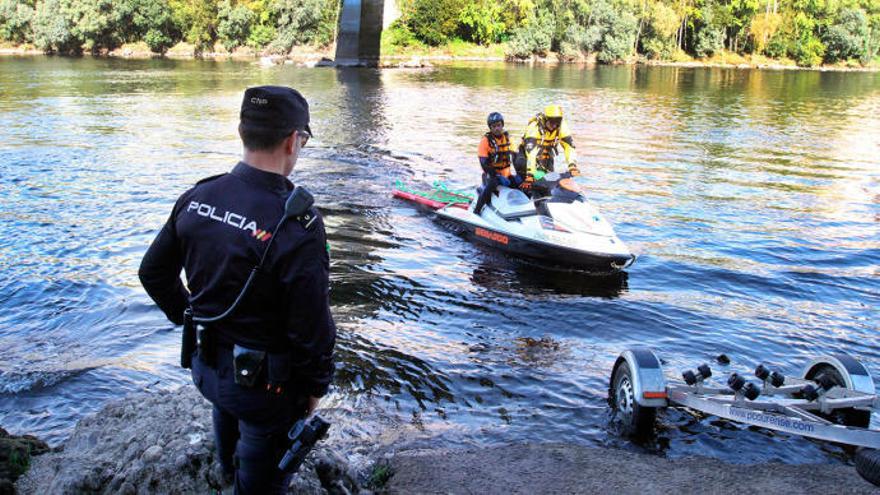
{"x": 15, "y": 453}
{"x": 164, "y": 445}
{"x": 152, "y": 453}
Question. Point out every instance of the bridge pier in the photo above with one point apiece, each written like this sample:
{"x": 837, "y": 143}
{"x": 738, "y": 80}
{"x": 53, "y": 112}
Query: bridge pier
{"x": 360, "y": 33}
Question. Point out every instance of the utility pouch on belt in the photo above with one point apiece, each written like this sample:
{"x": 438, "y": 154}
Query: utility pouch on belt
{"x": 188, "y": 340}
{"x": 247, "y": 364}
{"x": 207, "y": 346}
{"x": 278, "y": 372}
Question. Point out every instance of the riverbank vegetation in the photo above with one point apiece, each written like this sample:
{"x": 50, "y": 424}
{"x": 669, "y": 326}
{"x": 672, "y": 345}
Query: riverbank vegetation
{"x": 810, "y": 32}
{"x": 807, "y": 32}
{"x": 76, "y": 26}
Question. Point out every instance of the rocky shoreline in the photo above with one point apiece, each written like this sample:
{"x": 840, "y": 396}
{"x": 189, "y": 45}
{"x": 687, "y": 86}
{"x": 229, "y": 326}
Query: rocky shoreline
{"x": 565, "y": 468}
{"x": 16, "y": 453}
{"x": 161, "y": 442}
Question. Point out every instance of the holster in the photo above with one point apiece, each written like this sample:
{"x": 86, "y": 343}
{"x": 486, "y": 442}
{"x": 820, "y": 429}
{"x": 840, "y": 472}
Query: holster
{"x": 188, "y": 339}
{"x": 247, "y": 364}
{"x": 207, "y": 345}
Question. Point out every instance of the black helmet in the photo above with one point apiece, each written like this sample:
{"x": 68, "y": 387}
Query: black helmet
{"x": 493, "y": 118}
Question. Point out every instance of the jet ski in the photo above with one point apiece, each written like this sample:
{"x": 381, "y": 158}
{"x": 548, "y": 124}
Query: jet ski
{"x": 562, "y": 228}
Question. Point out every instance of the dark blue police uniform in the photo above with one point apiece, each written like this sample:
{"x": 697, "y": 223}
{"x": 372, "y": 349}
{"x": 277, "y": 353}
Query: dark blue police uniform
{"x": 217, "y": 233}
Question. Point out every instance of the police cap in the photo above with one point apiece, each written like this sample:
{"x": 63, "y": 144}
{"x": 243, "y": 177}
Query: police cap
{"x": 274, "y": 108}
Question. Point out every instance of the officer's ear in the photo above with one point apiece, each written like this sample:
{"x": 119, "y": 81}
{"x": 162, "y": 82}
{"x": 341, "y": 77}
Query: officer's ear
{"x": 290, "y": 143}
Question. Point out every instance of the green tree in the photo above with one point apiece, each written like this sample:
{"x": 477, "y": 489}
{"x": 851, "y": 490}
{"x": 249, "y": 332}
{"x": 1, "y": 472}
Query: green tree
{"x": 762, "y": 29}
{"x": 662, "y": 25}
{"x": 15, "y": 21}
{"x": 874, "y": 34}
{"x": 739, "y": 19}
{"x": 96, "y": 23}
{"x": 197, "y": 20}
{"x": 53, "y": 31}
{"x": 614, "y": 28}
{"x": 708, "y": 29}
{"x": 483, "y": 21}
{"x": 260, "y": 36}
{"x": 807, "y": 49}
{"x": 399, "y": 34}
{"x": 155, "y": 21}
{"x": 435, "y": 21}
{"x": 150, "y": 21}
{"x": 265, "y": 19}
{"x": 304, "y": 21}
{"x": 577, "y": 40}
{"x": 535, "y": 36}
{"x": 848, "y": 37}
{"x": 235, "y": 24}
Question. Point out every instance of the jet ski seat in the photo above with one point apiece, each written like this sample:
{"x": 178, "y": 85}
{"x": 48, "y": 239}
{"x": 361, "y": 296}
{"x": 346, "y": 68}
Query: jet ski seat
{"x": 513, "y": 203}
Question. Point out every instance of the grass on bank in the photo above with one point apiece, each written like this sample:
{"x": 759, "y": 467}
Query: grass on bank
{"x": 731, "y": 58}
{"x": 397, "y": 44}
{"x": 727, "y": 58}
{"x": 380, "y": 476}
{"x": 19, "y": 462}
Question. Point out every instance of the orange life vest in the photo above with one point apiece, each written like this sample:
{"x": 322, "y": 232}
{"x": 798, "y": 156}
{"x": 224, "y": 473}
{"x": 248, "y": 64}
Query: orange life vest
{"x": 499, "y": 153}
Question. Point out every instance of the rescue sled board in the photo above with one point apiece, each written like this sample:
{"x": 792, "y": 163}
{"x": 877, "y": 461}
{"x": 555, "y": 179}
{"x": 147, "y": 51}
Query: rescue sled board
{"x": 435, "y": 198}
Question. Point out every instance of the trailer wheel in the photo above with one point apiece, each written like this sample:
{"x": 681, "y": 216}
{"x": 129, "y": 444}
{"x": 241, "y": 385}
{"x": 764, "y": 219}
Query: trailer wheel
{"x": 848, "y": 416}
{"x": 868, "y": 465}
{"x": 635, "y": 420}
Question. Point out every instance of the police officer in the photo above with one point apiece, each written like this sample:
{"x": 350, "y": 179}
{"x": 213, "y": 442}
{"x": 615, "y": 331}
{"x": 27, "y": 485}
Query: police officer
{"x": 266, "y": 363}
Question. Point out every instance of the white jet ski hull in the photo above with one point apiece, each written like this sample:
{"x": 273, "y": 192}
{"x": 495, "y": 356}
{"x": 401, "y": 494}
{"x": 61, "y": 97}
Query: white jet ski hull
{"x": 574, "y": 234}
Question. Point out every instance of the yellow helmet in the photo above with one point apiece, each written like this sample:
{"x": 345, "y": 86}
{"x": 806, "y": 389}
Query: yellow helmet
{"x": 553, "y": 111}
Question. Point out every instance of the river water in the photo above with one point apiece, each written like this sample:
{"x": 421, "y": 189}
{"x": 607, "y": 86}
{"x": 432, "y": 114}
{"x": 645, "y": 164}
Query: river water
{"x": 751, "y": 197}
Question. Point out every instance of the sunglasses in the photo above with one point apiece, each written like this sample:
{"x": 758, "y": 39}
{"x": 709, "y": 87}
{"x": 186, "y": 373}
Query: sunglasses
{"x": 304, "y": 137}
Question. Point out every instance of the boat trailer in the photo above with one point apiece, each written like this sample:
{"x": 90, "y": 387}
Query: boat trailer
{"x": 830, "y": 400}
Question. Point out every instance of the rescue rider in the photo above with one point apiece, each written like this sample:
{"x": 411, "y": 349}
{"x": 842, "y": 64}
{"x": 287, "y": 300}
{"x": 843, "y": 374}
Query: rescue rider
{"x": 539, "y": 147}
{"x": 217, "y": 232}
{"x": 496, "y": 160}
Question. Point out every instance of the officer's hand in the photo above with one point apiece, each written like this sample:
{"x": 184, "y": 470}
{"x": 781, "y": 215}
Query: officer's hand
{"x": 313, "y": 404}
{"x": 527, "y": 184}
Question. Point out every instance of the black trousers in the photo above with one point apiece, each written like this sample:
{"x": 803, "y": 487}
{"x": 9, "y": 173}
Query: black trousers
{"x": 490, "y": 184}
{"x": 250, "y": 426}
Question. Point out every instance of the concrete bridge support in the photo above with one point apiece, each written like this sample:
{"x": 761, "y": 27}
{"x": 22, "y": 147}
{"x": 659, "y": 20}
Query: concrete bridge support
{"x": 360, "y": 31}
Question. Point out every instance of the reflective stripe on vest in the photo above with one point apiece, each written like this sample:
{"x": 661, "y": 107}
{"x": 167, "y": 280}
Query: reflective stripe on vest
{"x": 546, "y": 141}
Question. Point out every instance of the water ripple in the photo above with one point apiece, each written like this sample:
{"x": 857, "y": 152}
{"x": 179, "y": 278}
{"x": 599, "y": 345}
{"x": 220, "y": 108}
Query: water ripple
{"x": 751, "y": 198}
